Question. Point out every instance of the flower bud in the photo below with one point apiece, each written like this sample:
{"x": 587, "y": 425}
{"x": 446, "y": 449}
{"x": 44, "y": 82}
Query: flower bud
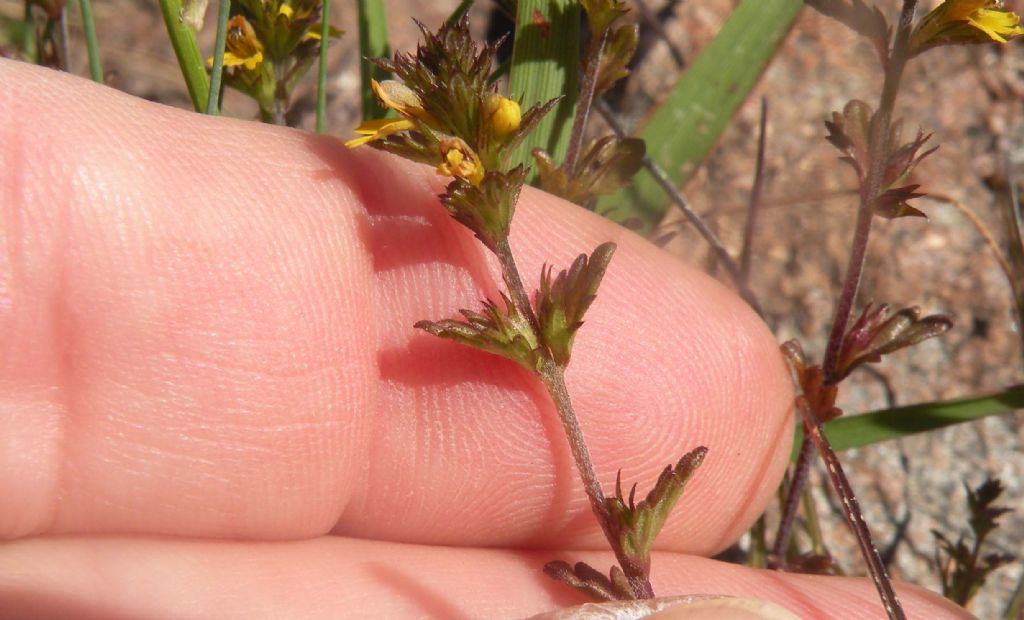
{"x": 502, "y": 114}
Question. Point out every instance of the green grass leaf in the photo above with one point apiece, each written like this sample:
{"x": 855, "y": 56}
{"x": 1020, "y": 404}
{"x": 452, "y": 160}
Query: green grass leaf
{"x": 321, "y": 74}
{"x": 862, "y": 430}
{"x": 682, "y": 132}
{"x": 92, "y": 46}
{"x": 373, "y": 43}
{"x": 183, "y": 40}
{"x": 545, "y": 65}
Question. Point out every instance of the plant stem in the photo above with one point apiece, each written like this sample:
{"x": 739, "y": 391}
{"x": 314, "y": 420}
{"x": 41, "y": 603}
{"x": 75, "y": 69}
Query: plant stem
{"x": 553, "y": 377}
{"x": 217, "y": 72}
{"x": 321, "y": 77}
{"x": 695, "y": 219}
{"x": 91, "y": 44}
{"x": 800, "y": 472}
{"x": 755, "y": 197}
{"x": 585, "y": 102}
{"x": 854, "y": 517}
{"x": 63, "y": 40}
{"x": 870, "y": 188}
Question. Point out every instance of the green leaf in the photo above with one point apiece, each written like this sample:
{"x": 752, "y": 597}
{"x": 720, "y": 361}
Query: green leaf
{"x": 373, "y": 43}
{"x": 856, "y": 431}
{"x": 689, "y": 123}
{"x": 486, "y": 209}
{"x": 502, "y": 332}
{"x": 618, "y": 51}
{"x": 545, "y": 66}
{"x": 561, "y": 303}
{"x": 639, "y": 524}
{"x": 183, "y": 40}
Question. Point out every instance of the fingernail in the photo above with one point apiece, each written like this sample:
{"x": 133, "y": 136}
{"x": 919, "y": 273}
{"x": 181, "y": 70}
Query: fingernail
{"x": 690, "y": 607}
{"x": 725, "y": 608}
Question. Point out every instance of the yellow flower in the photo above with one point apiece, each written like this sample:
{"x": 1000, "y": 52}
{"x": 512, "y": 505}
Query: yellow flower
{"x": 378, "y": 128}
{"x": 241, "y": 47}
{"x": 460, "y": 161}
{"x": 966, "y": 21}
{"x": 401, "y": 99}
{"x": 503, "y": 115}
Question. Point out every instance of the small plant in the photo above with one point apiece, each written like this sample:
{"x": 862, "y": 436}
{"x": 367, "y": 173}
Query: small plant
{"x": 451, "y": 117}
{"x": 961, "y": 565}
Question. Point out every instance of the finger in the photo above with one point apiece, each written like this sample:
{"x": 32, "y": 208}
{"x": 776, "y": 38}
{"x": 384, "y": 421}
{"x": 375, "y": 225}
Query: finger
{"x": 339, "y": 578}
{"x": 207, "y": 332}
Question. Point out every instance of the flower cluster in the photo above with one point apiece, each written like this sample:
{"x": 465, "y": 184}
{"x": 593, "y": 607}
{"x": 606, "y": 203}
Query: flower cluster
{"x": 450, "y": 114}
{"x": 270, "y": 45}
{"x": 966, "y": 21}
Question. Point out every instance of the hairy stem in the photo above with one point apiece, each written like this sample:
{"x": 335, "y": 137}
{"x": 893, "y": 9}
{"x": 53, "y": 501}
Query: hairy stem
{"x": 871, "y": 187}
{"x": 695, "y": 219}
{"x": 553, "y": 377}
{"x": 800, "y": 471}
{"x": 585, "y": 102}
{"x": 851, "y": 509}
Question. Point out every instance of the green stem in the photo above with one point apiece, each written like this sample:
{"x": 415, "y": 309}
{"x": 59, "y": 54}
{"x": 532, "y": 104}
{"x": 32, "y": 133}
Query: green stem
{"x": 183, "y": 40}
{"x": 91, "y": 44}
{"x": 28, "y": 41}
{"x": 321, "y": 78}
{"x": 217, "y": 73}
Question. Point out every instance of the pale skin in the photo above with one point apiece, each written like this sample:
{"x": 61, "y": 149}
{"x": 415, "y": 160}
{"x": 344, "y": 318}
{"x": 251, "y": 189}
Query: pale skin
{"x": 213, "y": 393}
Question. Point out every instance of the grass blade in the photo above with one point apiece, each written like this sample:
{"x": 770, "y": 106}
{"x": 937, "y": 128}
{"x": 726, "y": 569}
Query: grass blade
{"x": 212, "y": 103}
{"x": 321, "y": 77}
{"x": 545, "y": 65}
{"x": 183, "y": 40}
{"x": 373, "y": 43}
{"x": 92, "y": 46}
{"x": 682, "y": 132}
{"x": 862, "y": 430}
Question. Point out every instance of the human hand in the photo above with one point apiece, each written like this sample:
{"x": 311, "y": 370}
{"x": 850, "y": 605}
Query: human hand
{"x": 214, "y": 403}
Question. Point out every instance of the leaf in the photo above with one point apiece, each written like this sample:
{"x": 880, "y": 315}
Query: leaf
{"x": 638, "y": 525}
{"x": 875, "y": 334}
{"x": 486, "y": 209}
{"x": 561, "y": 303}
{"x": 607, "y": 165}
{"x": 618, "y": 51}
{"x": 892, "y": 203}
{"x": 857, "y": 431}
{"x": 373, "y": 43}
{"x": 849, "y": 132}
{"x": 590, "y": 581}
{"x": 601, "y": 13}
{"x": 544, "y": 68}
{"x": 502, "y": 332}
{"x": 859, "y": 17}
